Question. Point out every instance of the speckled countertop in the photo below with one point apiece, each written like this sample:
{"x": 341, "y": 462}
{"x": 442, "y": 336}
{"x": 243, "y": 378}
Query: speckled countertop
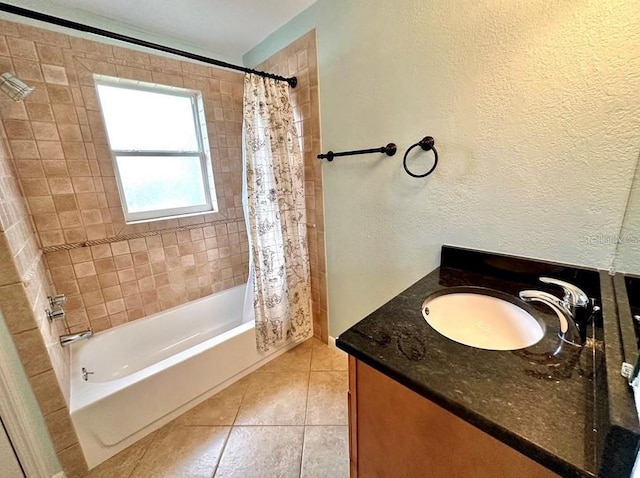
{"x": 540, "y": 404}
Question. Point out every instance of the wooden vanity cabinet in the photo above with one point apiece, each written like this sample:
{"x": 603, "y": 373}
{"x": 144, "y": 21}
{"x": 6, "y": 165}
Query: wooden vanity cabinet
{"x": 396, "y": 433}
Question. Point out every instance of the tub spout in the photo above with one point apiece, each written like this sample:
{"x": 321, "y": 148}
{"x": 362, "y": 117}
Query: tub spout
{"x": 68, "y": 339}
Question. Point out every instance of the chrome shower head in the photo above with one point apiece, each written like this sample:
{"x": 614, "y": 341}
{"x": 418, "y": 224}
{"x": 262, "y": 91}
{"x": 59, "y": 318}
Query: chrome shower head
{"x": 14, "y": 87}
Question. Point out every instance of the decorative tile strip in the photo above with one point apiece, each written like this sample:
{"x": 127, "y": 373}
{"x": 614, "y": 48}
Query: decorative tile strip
{"x": 137, "y": 235}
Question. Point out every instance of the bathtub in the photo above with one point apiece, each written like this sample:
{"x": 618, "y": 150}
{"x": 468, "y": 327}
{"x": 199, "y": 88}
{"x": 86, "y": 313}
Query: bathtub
{"x": 143, "y": 374}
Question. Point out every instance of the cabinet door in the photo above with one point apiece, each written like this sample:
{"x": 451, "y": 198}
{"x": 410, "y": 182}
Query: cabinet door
{"x": 9, "y": 464}
{"x": 401, "y": 434}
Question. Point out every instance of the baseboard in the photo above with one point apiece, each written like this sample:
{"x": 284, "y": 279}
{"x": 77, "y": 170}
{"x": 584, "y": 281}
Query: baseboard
{"x": 332, "y": 343}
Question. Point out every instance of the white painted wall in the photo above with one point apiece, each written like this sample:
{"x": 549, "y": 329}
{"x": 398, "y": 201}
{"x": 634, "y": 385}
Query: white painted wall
{"x": 535, "y": 108}
{"x": 21, "y": 414}
{"x": 9, "y": 463}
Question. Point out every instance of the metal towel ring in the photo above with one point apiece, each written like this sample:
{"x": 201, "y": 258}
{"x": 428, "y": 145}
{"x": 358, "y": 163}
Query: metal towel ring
{"x": 426, "y": 143}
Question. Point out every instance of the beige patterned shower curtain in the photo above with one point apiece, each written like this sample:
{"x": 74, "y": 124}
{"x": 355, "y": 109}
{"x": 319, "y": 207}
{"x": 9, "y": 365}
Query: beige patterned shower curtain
{"x": 276, "y": 217}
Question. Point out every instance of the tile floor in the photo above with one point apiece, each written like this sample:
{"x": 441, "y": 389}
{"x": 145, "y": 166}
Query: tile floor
{"x": 286, "y": 419}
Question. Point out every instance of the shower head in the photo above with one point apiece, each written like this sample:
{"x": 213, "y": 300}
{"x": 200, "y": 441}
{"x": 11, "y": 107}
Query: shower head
{"x": 15, "y": 88}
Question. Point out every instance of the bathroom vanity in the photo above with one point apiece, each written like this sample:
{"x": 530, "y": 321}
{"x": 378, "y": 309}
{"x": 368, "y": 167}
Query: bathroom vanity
{"x": 421, "y": 404}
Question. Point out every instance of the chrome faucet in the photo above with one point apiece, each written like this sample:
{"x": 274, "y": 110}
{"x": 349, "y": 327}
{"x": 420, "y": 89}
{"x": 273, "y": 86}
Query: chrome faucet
{"x": 579, "y": 304}
{"x": 68, "y": 339}
{"x": 568, "y": 330}
{"x": 574, "y": 309}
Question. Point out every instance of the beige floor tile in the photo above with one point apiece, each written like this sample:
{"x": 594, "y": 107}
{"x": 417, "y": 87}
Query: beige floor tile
{"x": 183, "y": 452}
{"x": 324, "y": 358}
{"x": 298, "y": 359}
{"x": 262, "y": 452}
{"x": 122, "y": 464}
{"x": 274, "y": 399}
{"x": 326, "y": 452}
{"x": 327, "y": 403}
{"x": 221, "y": 409}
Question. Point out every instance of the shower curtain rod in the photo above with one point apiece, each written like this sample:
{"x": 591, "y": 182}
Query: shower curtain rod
{"x": 23, "y": 12}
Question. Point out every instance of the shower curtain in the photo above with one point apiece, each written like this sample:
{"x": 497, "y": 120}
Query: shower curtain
{"x": 276, "y": 217}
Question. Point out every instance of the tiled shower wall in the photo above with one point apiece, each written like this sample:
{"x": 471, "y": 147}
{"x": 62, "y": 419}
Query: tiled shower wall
{"x": 112, "y": 272}
{"x": 300, "y": 59}
{"x": 57, "y": 191}
{"x": 23, "y": 290}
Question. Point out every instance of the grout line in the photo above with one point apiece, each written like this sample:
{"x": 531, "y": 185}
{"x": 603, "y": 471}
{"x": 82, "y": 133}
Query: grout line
{"x": 306, "y": 411}
{"x": 143, "y": 454}
{"x": 224, "y": 447}
{"x": 233, "y": 423}
{"x": 244, "y": 394}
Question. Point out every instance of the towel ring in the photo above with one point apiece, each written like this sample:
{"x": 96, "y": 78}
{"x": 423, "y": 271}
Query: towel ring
{"x": 426, "y": 143}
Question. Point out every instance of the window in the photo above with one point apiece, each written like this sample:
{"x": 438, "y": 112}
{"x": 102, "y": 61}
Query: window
{"x": 160, "y": 154}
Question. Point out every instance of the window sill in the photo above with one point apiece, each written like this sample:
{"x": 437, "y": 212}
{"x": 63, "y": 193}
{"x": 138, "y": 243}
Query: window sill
{"x": 171, "y": 218}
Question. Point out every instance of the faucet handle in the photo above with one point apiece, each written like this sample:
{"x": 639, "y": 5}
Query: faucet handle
{"x": 57, "y": 301}
{"x": 573, "y": 295}
{"x": 55, "y": 314}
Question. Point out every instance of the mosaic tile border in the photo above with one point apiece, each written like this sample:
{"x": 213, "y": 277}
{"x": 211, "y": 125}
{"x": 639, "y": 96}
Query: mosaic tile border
{"x": 137, "y": 235}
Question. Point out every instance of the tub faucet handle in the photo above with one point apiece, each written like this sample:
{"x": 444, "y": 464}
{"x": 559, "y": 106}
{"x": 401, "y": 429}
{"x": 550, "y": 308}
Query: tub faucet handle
{"x": 58, "y": 300}
{"x": 56, "y": 314}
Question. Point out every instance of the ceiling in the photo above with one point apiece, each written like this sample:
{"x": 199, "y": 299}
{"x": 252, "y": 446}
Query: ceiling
{"x": 228, "y": 28}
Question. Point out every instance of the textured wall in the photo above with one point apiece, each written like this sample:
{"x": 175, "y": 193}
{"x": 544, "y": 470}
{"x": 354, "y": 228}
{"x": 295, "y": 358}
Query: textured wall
{"x": 65, "y": 170}
{"x": 300, "y": 59}
{"x": 535, "y": 108}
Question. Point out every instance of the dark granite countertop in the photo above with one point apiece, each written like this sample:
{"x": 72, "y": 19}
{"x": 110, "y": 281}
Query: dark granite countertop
{"x": 539, "y": 403}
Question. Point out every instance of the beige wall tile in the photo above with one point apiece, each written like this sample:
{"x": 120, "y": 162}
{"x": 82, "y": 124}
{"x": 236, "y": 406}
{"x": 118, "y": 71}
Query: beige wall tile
{"x": 24, "y": 149}
{"x": 65, "y": 166}
{"x": 32, "y": 352}
{"x": 47, "y": 391}
{"x": 8, "y": 271}
{"x": 44, "y": 131}
{"x": 61, "y": 429}
{"x": 18, "y": 129}
{"x": 54, "y": 74}
{"x": 50, "y": 150}
{"x": 73, "y": 462}
{"x": 84, "y": 269}
{"x": 50, "y": 54}
{"x": 80, "y": 254}
{"x": 20, "y": 48}
{"x": 39, "y": 111}
{"x": 16, "y": 308}
{"x": 27, "y": 70}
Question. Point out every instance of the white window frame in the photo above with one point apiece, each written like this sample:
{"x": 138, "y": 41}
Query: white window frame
{"x": 203, "y": 153}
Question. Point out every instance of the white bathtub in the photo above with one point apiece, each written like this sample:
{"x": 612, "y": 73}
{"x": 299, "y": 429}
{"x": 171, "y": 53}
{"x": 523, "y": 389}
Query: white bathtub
{"x": 146, "y": 373}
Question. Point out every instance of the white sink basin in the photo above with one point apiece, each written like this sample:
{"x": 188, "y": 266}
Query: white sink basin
{"x": 482, "y": 321}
